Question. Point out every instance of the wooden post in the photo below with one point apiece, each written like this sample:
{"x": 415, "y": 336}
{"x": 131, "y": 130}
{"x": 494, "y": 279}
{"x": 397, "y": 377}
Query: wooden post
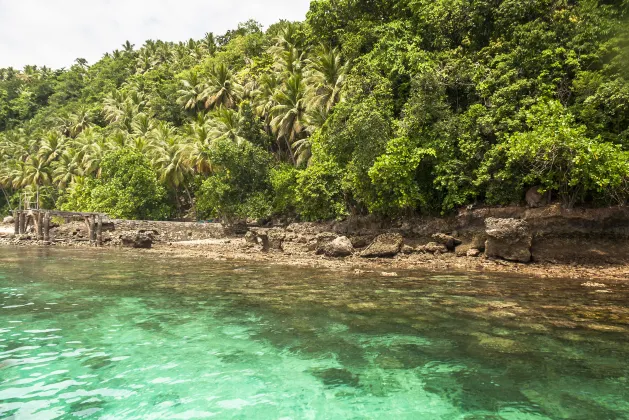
{"x": 86, "y": 219}
{"x": 16, "y": 222}
{"x": 47, "y": 227}
{"x": 92, "y": 228}
{"x": 22, "y": 222}
{"x": 99, "y": 230}
{"x": 38, "y": 217}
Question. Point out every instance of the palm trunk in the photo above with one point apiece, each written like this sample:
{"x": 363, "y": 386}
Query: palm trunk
{"x": 7, "y": 198}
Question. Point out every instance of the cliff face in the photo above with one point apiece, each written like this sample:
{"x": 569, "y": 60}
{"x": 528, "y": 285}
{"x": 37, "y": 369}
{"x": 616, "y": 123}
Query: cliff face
{"x": 563, "y": 235}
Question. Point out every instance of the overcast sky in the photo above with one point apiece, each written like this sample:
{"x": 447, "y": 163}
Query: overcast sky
{"x": 56, "y": 32}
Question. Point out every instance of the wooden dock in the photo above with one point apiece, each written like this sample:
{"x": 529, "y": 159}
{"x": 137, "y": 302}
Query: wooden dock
{"x": 40, "y": 219}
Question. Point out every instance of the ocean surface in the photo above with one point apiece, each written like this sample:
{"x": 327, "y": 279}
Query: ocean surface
{"x": 115, "y": 335}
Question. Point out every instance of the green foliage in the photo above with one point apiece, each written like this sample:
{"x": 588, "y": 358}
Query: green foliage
{"x": 367, "y": 106}
{"x": 318, "y": 193}
{"x": 239, "y": 187}
{"x": 394, "y": 177}
{"x": 283, "y": 180}
{"x": 127, "y": 189}
{"x": 557, "y": 155}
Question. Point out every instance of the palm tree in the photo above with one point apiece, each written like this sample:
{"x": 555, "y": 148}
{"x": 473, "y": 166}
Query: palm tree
{"x": 226, "y": 124}
{"x": 128, "y": 47}
{"x": 67, "y": 169}
{"x": 190, "y": 93}
{"x": 199, "y": 139}
{"x": 34, "y": 173}
{"x": 170, "y": 160}
{"x": 268, "y": 84}
{"x": 315, "y": 118}
{"x": 289, "y": 61}
{"x": 72, "y": 125}
{"x": 51, "y": 147}
{"x": 288, "y": 37}
{"x": 121, "y": 107}
{"x": 326, "y": 75}
{"x": 290, "y": 111}
{"x": 90, "y": 147}
{"x": 303, "y": 151}
{"x": 221, "y": 89}
{"x": 209, "y": 43}
{"x": 141, "y": 125}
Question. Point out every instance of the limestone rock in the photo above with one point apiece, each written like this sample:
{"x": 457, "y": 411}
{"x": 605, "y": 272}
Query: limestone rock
{"x": 251, "y": 238}
{"x": 473, "y": 252}
{"x": 510, "y": 239}
{"x": 385, "y": 245}
{"x": 407, "y": 249}
{"x": 478, "y": 242}
{"x": 139, "y": 240}
{"x": 469, "y": 250}
{"x": 359, "y": 241}
{"x": 448, "y": 241}
{"x": 433, "y": 248}
{"x": 263, "y": 239}
{"x": 276, "y": 238}
{"x": 339, "y": 247}
{"x": 461, "y": 251}
{"x": 320, "y": 241}
{"x": 8, "y": 220}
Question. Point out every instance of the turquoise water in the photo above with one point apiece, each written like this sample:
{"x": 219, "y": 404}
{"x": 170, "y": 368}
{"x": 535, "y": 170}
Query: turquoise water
{"x": 117, "y": 336}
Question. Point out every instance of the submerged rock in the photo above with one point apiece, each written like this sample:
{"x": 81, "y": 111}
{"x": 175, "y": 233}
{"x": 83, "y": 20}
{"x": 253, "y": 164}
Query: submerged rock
{"x": 510, "y": 239}
{"x": 385, "y": 245}
{"x": 339, "y": 247}
{"x": 336, "y": 377}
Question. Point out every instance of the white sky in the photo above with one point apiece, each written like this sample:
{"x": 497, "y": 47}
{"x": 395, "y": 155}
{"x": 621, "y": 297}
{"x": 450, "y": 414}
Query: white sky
{"x": 56, "y": 32}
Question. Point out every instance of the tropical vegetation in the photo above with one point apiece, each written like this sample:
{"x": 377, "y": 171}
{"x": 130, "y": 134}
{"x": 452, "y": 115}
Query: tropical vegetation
{"x": 386, "y": 107}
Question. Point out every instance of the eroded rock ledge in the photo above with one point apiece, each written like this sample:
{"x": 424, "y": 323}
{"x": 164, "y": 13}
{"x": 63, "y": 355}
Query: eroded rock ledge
{"x": 540, "y": 235}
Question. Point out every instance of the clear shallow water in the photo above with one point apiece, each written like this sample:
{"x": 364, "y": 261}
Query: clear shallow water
{"x": 102, "y": 335}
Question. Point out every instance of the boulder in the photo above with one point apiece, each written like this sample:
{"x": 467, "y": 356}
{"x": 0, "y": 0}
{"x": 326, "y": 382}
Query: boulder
{"x": 268, "y": 238}
{"x": 276, "y": 238}
{"x": 385, "y": 245}
{"x": 139, "y": 240}
{"x": 478, "y": 242}
{"x": 510, "y": 239}
{"x": 407, "y": 249}
{"x": 473, "y": 252}
{"x": 359, "y": 241}
{"x": 251, "y": 238}
{"x": 8, "y": 220}
{"x": 448, "y": 241}
{"x": 319, "y": 242}
{"x": 432, "y": 248}
{"x": 263, "y": 239}
{"x": 339, "y": 247}
{"x": 461, "y": 251}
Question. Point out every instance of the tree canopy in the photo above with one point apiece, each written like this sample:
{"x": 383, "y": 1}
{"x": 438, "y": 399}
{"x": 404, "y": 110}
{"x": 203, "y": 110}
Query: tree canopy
{"x": 391, "y": 107}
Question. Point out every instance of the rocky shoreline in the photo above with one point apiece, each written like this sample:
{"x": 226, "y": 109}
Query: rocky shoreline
{"x": 547, "y": 242}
